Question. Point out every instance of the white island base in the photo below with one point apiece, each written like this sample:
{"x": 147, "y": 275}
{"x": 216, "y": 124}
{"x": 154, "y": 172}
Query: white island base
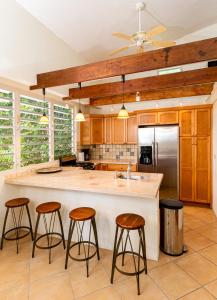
{"x": 108, "y": 204}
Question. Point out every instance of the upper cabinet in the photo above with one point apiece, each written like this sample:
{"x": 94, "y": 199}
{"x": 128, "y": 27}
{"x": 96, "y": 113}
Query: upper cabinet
{"x": 131, "y": 130}
{"x": 108, "y": 130}
{"x": 148, "y": 118}
{"x": 118, "y": 131}
{"x": 96, "y": 129}
{"x": 168, "y": 117}
{"x": 195, "y": 122}
{"x": 85, "y": 131}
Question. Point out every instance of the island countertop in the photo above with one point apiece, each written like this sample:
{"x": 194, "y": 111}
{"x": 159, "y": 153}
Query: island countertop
{"x": 104, "y": 182}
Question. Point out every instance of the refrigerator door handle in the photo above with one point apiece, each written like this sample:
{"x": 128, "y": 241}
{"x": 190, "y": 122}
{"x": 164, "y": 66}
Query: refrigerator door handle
{"x": 156, "y": 154}
{"x": 153, "y": 153}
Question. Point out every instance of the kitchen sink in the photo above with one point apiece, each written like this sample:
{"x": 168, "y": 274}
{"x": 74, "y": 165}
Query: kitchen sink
{"x": 132, "y": 177}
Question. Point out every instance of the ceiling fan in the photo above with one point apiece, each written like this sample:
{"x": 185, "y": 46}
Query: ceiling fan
{"x": 141, "y": 38}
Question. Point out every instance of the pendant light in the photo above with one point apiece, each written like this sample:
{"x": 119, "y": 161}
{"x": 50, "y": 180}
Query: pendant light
{"x": 123, "y": 114}
{"x": 44, "y": 118}
{"x": 138, "y": 97}
{"x": 79, "y": 116}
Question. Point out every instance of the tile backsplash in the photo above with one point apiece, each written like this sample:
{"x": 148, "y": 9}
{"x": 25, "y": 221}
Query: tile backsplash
{"x": 113, "y": 152}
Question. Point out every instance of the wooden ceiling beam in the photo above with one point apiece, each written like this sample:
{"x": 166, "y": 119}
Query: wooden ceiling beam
{"x": 187, "y": 91}
{"x": 193, "y": 77}
{"x": 157, "y": 59}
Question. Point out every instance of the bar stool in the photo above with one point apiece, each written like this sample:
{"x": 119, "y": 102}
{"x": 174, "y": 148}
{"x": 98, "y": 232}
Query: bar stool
{"x": 52, "y": 208}
{"x": 76, "y": 216}
{"x": 130, "y": 222}
{"x": 19, "y": 204}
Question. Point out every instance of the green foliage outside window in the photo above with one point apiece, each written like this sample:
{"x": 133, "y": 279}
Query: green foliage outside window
{"x": 63, "y": 129}
{"x": 6, "y": 130}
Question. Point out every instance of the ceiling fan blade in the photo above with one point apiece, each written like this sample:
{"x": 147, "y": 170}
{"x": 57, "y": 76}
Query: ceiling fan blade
{"x": 119, "y": 50}
{"x": 122, "y": 36}
{"x": 156, "y": 30}
{"x": 163, "y": 43}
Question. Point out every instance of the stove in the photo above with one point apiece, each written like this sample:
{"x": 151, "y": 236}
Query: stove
{"x": 70, "y": 160}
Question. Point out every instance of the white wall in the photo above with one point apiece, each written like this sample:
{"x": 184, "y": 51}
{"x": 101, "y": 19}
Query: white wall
{"x": 215, "y": 157}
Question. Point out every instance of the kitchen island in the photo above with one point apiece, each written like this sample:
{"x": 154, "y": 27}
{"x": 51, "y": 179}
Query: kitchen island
{"x": 75, "y": 187}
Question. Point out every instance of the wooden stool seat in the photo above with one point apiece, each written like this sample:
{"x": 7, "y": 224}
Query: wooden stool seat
{"x": 82, "y": 214}
{"x": 48, "y": 207}
{"x": 130, "y": 221}
{"x": 17, "y": 202}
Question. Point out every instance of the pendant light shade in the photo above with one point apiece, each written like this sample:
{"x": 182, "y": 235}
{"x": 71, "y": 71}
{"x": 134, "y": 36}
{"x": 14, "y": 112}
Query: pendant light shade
{"x": 79, "y": 116}
{"x": 44, "y": 118}
{"x": 123, "y": 113}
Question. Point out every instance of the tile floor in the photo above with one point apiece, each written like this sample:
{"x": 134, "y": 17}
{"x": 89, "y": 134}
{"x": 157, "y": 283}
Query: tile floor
{"x": 188, "y": 277}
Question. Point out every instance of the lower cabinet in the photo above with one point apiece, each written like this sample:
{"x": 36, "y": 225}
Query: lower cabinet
{"x": 195, "y": 169}
{"x": 115, "y": 167}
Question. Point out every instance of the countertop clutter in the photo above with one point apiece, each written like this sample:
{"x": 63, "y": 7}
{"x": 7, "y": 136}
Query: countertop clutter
{"x": 76, "y": 179}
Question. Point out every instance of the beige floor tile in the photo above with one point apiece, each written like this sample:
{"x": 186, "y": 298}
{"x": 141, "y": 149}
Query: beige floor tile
{"x": 149, "y": 291}
{"x": 108, "y": 293}
{"x": 212, "y": 288}
{"x": 210, "y": 253}
{"x": 209, "y": 231}
{"x": 173, "y": 280}
{"x": 196, "y": 241}
{"x": 192, "y": 222}
{"x": 200, "y": 294}
{"x": 18, "y": 291}
{"x": 163, "y": 259}
{"x": 83, "y": 286}
{"x": 201, "y": 269}
{"x": 54, "y": 287}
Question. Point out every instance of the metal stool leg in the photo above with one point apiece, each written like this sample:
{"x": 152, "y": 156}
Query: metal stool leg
{"x": 35, "y": 236}
{"x": 62, "y": 232}
{"x": 144, "y": 249}
{"x": 115, "y": 251}
{"x": 4, "y": 226}
{"x": 71, "y": 229}
{"x": 30, "y": 222}
{"x": 93, "y": 221}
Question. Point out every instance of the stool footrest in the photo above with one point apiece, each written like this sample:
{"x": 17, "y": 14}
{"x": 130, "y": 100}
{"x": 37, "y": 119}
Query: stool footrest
{"x": 86, "y": 258}
{"x": 46, "y": 235}
{"x": 130, "y": 273}
{"x": 19, "y": 236}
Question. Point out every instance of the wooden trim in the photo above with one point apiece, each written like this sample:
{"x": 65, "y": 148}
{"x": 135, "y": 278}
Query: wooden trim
{"x": 162, "y": 58}
{"x": 158, "y": 82}
{"x": 186, "y": 91}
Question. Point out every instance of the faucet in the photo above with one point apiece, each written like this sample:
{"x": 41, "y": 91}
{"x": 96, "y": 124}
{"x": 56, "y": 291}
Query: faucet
{"x": 129, "y": 170}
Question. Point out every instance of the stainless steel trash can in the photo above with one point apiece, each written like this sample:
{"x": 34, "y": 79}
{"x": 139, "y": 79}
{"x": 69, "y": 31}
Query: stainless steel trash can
{"x": 171, "y": 227}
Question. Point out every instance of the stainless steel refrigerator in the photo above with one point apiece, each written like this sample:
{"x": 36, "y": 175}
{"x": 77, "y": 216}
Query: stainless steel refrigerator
{"x": 158, "y": 152}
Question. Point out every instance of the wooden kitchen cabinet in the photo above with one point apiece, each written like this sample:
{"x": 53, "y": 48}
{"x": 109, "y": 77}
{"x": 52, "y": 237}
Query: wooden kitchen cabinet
{"x": 101, "y": 167}
{"x": 96, "y": 127}
{"x": 85, "y": 131}
{"x": 121, "y": 167}
{"x": 108, "y": 130}
{"x": 148, "y": 118}
{"x": 202, "y": 122}
{"x": 168, "y": 117}
{"x": 131, "y": 130}
{"x": 186, "y": 122}
{"x": 118, "y": 131}
{"x": 202, "y": 170}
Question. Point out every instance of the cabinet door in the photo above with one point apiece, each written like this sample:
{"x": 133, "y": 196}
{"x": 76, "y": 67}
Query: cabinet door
{"x": 202, "y": 122}
{"x": 108, "y": 130}
{"x": 148, "y": 118}
{"x": 131, "y": 130}
{"x": 85, "y": 132}
{"x": 168, "y": 117}
{"x": 118, "y": 131}
{"x": 187, "y": 149}
{"x": 97, "y": 130}
{"x": 202, "y": 170}
{"x": 186, "y": 122}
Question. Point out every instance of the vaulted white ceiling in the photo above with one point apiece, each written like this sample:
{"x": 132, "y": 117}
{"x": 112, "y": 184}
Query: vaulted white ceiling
{"x": 87, "y": 25}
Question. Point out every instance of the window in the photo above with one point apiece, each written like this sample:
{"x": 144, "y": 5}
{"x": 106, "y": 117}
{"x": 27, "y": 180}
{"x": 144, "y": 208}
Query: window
{"x": 169, "y": 71}
{"x": 34, "y": 136}
{"x": 6, "y": 130}
{"x": 63, "y": 131}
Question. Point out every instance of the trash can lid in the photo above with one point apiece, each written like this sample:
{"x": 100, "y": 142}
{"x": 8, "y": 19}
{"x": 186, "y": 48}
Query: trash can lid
{"x": 171, "y": 204}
